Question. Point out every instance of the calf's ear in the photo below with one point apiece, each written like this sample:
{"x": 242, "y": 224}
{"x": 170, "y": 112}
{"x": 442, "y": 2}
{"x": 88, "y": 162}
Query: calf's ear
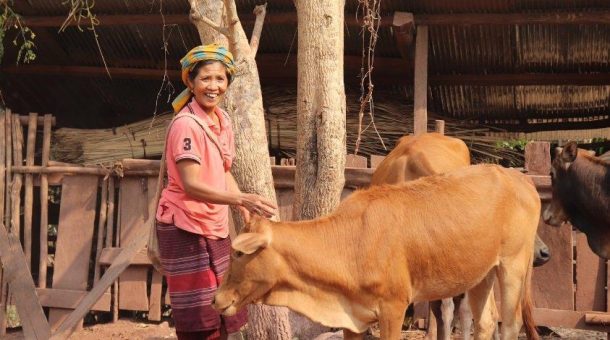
{"x": 248, "y": 243}
{"x": 569, "y": 152}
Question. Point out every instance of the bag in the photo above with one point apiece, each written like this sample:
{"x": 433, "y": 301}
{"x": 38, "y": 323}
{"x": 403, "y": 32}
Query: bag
{"x": 152, "y": 248}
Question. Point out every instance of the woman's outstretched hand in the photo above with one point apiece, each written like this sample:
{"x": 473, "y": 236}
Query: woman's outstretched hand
{"x": 259, "y": 205}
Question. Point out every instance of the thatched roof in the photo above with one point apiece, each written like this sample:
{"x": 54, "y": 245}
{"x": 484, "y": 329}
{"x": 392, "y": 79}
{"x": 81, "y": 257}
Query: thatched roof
{"x": 519, "y": 65}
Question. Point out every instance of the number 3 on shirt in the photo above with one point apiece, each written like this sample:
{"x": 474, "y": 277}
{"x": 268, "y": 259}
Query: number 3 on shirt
{"x": 187, "y": 144}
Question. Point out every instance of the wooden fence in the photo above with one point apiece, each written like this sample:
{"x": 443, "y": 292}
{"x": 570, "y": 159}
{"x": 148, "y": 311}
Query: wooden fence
{"x": 102, "y": 211}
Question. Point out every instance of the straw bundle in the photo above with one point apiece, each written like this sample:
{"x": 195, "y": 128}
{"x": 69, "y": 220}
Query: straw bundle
{"x": 393, "y": 119}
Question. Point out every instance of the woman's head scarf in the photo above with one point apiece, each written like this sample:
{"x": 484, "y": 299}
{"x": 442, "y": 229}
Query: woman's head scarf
{"x": 194, "y": 56}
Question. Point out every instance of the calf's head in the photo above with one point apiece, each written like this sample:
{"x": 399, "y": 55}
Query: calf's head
{"x": 251, "y": 272}
{"x": 554, "y": 213}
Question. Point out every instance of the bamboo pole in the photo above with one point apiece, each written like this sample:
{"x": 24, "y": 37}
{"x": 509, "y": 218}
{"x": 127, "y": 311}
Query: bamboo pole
{"x": 100, "y": 230}
{"x": 3, "y": 283}
{"x": 44, "y": 203}
{"x": 115, "y": 284}
{"x": 25, "y": 120}
{"x": 29, "y": 188}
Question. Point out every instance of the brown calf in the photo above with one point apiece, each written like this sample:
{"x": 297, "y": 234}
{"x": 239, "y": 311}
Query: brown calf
{"x": 581, "y": 194}
{"x": 391, "y": 245}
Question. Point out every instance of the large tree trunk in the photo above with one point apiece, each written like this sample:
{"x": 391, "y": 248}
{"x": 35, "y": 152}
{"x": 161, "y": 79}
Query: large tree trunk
{"x": 321, "y": 109}
{"x": 252, "y": 168}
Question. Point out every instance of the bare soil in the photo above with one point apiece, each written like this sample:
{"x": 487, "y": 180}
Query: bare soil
{"x": 135, "y": 330}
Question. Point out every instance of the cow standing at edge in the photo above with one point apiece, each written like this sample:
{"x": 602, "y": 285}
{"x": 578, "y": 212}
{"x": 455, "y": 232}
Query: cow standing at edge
{"x": 424, "y": 155}
{"x": 581, "y": 194}
{"x": 388, "y": 246}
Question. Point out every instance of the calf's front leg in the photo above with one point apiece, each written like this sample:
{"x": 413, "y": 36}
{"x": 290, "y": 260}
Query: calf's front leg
{"x": 391, "y": 317}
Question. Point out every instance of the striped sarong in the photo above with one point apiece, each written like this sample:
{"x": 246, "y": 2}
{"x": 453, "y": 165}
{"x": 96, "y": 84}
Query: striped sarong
{"x": 194, "y": 266}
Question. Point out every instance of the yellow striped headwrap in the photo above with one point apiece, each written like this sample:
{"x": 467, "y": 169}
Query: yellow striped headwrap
{"x": 197, "y": 54}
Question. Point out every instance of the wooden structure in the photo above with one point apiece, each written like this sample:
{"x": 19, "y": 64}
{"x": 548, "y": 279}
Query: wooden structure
{"x": 105, "y": 218}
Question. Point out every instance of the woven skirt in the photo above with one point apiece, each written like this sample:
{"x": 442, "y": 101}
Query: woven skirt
{"x": 194, "y": 267}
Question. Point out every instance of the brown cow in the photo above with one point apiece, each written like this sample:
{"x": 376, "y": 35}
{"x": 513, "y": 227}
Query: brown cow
{"x": 424, "y": 155}
{"x": 581, "y": 194}
{"x": 387, "y": 246}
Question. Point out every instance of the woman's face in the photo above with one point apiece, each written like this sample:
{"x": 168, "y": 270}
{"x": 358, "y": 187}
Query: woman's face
{"x": 209, "y": 85}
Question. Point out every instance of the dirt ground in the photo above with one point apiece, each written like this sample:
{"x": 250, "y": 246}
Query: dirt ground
{"x": 135, "y": 330}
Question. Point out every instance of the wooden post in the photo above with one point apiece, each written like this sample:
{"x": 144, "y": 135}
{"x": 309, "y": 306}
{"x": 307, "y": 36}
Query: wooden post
{"x": 17, "y": 178}
{"x": 109, "y": 243}
{"x": 2, "y": 195}
{"x": 420, "y": 121}
{"x": 439, "y": 126}
{"x": 100, "y": 229}
{"x": 29, "y": 189}
{"x": 538, "y": 158}
{"x": 44, "y": 202}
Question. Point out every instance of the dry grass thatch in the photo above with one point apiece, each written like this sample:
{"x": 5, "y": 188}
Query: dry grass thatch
{"x": 393, "y": 119}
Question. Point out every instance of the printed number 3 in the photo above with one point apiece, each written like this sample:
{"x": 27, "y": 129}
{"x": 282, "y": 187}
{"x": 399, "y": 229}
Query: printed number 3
{"x": 187, "y": 144}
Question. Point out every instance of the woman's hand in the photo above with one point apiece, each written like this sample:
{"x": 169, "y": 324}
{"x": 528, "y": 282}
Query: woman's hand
{"x": 259, "y": 205}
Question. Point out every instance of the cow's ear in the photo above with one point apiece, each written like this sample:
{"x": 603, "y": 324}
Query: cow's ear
{"x": 569, "y": 152}
{"x": 248, "y": 243}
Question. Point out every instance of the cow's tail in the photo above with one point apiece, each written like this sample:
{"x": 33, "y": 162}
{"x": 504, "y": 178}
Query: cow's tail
{"x": 527, "y": 306}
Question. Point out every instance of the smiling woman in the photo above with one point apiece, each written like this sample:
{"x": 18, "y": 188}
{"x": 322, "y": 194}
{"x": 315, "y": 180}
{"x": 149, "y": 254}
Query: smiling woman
{"x": 192, "y": 216}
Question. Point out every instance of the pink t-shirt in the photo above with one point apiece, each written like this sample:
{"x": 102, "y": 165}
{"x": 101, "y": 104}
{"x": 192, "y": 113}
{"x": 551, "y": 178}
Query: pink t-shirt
{"x": 187, "y": 140}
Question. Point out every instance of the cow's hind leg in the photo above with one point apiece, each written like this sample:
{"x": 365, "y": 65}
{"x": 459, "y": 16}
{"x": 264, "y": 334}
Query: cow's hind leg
{"x": 465, "y": 315}
{"x": 481, "y": 302}
{"x": 349, "y": 335}
{"x": 391, "y": 317}
{"x": 512, "y": 277}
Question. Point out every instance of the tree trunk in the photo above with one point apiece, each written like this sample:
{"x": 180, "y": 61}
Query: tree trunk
{"x": 252, "y": 168}
{"x": 321, "y": 109}
{"x": 320, "y": 162}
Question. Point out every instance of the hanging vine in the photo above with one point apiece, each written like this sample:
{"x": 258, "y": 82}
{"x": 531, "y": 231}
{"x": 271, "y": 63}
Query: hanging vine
{"x": 24, "y": 39}
{"x": 369, "y": 33}
{"x": 82, "y": 11}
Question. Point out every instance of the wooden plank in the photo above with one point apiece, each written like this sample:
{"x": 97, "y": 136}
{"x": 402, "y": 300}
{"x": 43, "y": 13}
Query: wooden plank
{"x": 113, "y": 272}
{"x": 559, "y": 270}
{"x": 109, "y": 242}
{"x": 44, "y": 202}
{"x": 154, "y": 310}
{"x": 16, "y": 273}
{"x": 565, "y": 318}
{"x": 3, "y": 181}
{"x": 376, "y": 160}
{"x": 137, "y": 211}
{"x": 109, "y": 255}
{"x": 538, "y": 158}
{"x": 355, "y": 161}
{"x": 74, "y": 239}
{"x": 69, "y": 299}
{"x": 29, "y": 189}
{"x": 420, "y": 105}
{"x": 590, "y": 277}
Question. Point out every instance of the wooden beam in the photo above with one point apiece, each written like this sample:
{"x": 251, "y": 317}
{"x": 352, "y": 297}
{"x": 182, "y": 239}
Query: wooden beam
{"x": 69, "y": 299}
{"x": 272, "y": 67}
{"x": 108, "y": 256}
{"x": 290, "y": 18}
{"x": 420, "y": 86}
{"x": 584, "y": 79}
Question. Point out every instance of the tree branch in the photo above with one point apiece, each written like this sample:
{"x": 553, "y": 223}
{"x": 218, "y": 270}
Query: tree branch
{"x": 260, "y": 11}
{"x": 197, "y": 16}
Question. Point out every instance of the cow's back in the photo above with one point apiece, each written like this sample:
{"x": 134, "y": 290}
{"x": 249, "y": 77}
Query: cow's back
{"x": 422, "y": 155}
{"x": 443, "y": 233}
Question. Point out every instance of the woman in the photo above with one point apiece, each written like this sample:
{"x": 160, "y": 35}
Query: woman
{"x": 192, "y": 216}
